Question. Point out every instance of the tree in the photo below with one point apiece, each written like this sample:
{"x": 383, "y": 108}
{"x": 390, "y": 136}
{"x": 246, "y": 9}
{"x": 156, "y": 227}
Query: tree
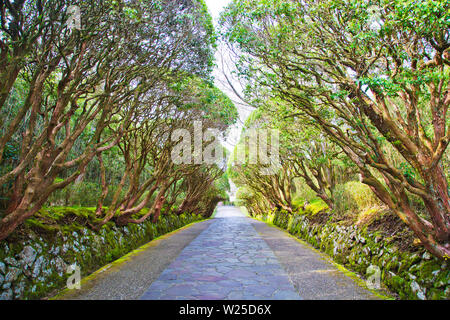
{"x": 309, "y": 155}
{"x": 150, "y": 174}
{"x": 370, "y": 88}
{"x": 85, "y": 84}
{"x": 247, "y": 167}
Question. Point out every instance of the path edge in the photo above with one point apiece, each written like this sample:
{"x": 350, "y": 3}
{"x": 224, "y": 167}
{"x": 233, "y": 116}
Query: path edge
{"x": 89, "y": 280}
{"x": 386, "y": 295}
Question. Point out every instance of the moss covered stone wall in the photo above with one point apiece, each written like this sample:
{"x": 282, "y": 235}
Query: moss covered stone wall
{"x": 34, "y": 260}
{"x": 412, "y": 275}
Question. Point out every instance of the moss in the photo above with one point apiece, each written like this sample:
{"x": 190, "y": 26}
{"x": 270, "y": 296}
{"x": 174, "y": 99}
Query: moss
{"x": 424, "y": 269}
{"x": 54, "y": 228}
{"x": 315, "y": 206}
{"x": 396, "y": 283}
{"x": 39, "y": 226}
{"x": 396, "y": 263}
{"x": 443, "y": 279}
{"x": 435, "y": 294}
{"x": 87, "y": 282}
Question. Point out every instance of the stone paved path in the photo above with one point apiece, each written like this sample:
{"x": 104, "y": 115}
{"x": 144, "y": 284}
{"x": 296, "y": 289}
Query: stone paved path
{"x": 229, "y": 260}
{"x": 228, "y": 257}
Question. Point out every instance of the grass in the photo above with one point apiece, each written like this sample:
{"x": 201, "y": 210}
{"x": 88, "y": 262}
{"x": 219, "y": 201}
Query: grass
{"x": 316, "y": 206}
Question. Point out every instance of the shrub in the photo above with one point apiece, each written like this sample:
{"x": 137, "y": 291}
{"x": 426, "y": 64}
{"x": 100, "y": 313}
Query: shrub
{"x": 303, "y": 191}
{"x": 354, "y": 196}
{"x": 80, "y": 194}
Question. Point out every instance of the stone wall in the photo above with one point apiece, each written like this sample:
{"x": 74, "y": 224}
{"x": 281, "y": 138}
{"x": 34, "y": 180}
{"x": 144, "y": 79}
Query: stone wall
{"x": 36, "y": 266}
{"x": 412, "y": 275}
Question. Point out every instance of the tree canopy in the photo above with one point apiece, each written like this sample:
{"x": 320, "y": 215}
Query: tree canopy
{"x": 107, "y": 88}
{"x": 373, "y": 78}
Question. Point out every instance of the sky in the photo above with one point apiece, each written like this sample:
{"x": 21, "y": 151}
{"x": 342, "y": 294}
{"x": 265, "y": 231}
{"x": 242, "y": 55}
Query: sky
{"x": 215, "y": 7}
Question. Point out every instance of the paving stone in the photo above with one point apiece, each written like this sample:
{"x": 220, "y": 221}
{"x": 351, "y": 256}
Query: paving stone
{"x": 228, "y": 260}
{"x": 239, "y": 259}
{"x": 285, "y": 295}
{"x": 181, "y": 289}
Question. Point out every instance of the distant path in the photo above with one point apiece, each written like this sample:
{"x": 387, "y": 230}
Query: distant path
{"x": 228, "y": 257}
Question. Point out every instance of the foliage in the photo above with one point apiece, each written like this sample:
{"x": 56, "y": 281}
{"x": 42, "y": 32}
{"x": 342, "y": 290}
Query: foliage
{"x": 376, "y": 85}
{"x": 84, "y": 112}
{"x": 354, "y": 196}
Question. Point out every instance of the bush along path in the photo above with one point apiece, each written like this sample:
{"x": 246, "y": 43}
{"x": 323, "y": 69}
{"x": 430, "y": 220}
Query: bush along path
{"x": 35, "y": 258}
{"x": 228, "y": 257}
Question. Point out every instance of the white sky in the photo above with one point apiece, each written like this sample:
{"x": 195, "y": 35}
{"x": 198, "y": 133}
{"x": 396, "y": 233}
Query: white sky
{"x": 215, "y": 7}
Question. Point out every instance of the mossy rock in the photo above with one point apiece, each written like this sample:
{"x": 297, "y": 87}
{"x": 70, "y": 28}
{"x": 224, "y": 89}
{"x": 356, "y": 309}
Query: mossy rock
{"x": 396, "y": 283}
{"x": 436, "y": 294}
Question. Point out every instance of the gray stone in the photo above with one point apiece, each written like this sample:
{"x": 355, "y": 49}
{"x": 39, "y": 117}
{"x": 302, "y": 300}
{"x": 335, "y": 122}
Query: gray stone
{"x": 28, "y": 255}
{"x": 421, "y": 295}
{"x": 426, "y": 256}
{"x": 18, "y": 290}
{"x": 12, "y": 274}
{"x": 6, "y": 295}
{"x": 38, "y": 248}
{"x": 54, "y": 250}
{"x": 60, "y": 266}
{"x": 229, "y": 259}
{"x": 27, "y": 271}
{"x": 11, "y": 261}
{"x": 37, "y": 266}
{"x": 418, "y": 290}
{"x": 2, "y": 278}
{"x": 2, "y": 268}
{"x": 411, "y": 276}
